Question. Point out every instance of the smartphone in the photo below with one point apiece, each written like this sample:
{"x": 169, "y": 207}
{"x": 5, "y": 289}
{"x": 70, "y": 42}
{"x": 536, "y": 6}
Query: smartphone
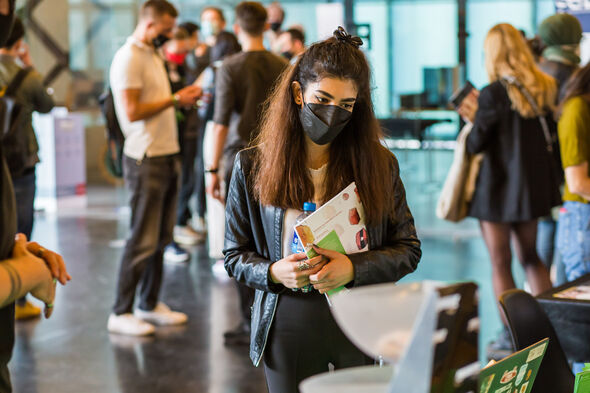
{"x": 458, "y": 96}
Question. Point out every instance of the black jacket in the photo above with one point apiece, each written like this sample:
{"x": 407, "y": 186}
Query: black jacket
{"x": 253, "y": 241}
{"x": 517, "y": 180}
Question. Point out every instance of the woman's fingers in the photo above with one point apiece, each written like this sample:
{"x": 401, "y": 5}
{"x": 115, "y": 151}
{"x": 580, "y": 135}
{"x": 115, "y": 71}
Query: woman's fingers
{"x": 328, "y": 253}
{"x": 20, "y": 246}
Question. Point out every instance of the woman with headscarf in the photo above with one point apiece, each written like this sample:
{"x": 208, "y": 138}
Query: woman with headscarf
{"x": 560, "y": 35}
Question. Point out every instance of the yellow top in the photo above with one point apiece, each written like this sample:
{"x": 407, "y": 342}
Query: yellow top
{"x": 574, "y": 138}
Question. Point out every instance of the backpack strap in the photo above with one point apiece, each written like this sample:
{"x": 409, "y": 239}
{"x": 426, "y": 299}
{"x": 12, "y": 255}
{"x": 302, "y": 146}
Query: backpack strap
{"x": 548, "y": 139}
{"x": 17, "y": 81}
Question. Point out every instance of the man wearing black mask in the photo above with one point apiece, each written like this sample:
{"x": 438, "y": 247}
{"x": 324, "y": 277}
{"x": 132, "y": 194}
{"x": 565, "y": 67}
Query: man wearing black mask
{"x": 144, "y": 104}
{"x": 276, "y": 17}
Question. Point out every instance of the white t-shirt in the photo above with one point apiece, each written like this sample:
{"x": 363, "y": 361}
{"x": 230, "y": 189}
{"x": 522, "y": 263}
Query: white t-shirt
{"x": 138, "y": 66}
{"x": 317, "y": 176}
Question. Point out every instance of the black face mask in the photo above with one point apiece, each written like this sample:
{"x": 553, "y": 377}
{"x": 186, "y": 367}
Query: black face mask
{"x": 287, "y": 55}
{"x": 159, "y": 41}
{"x": 275, "y": 26}
{"x": 323, "y": 123}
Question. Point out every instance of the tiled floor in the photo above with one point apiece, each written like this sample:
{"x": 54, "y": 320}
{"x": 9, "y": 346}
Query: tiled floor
{"x": 72, "y": 352}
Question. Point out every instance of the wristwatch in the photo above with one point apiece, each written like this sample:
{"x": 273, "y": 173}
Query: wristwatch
{"x": 175, "y": 99}
{"x": 211, "y": 170}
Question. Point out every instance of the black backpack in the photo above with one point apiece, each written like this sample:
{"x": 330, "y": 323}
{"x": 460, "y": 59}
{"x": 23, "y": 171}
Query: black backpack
{"x": 115, "y": 138}
{"x": 16, "y": 148}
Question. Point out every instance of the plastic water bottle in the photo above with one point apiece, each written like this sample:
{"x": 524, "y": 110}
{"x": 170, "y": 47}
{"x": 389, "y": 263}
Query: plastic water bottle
{"x": 308, "y": 209}
{"x": 296, "y": 246}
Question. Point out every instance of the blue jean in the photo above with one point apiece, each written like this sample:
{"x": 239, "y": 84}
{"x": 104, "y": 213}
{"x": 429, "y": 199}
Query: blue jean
{"x": 573, "y": 243}
{"x": 546, "y": 239}
{"x": 573, "y": 239}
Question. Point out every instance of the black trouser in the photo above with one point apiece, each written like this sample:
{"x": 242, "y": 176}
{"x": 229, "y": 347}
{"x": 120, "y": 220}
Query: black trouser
{"x": 188, "y": 154}
{"x": 6, "y": 345}
{"x": 200, "y": 191}
{"x": 303, "y": 340}
{"x": 153, "y": 185}
{"x": 24, "y": 192}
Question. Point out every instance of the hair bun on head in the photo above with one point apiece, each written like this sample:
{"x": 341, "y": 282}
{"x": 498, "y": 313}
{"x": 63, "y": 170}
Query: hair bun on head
{"x": 343, "y": 36}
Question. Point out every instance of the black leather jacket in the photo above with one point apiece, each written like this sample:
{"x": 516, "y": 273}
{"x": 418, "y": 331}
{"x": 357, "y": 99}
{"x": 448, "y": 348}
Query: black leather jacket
{"x": 253, "y": 241}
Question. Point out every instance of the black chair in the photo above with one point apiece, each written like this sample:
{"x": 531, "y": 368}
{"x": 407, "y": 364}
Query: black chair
{"x": 529, "y": 324}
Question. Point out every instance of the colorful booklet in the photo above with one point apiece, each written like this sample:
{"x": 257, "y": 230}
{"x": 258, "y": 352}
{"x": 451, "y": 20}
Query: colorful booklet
{"x": 515, "y": 373}
{"x": 339, "y": 225}
{"x": 580, "y": 292}
{"x": 583, "y": 380}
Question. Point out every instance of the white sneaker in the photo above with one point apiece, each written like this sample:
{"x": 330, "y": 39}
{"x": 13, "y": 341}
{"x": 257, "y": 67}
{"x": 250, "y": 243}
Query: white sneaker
{"x": 173, "y": 253}
{"x": 200, "y": 224}
{"x": 188, "y": 235}
{"x": 162, "y": 316}
{"x": 130, "y": 325}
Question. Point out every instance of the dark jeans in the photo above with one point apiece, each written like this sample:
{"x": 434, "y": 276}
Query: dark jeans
{"x": 153, "y": 185}
{"x": 546, "y": 239}
{"x": 188, "y": 179}
{"x": 6, "y": 345}
{"x": 303, "y": 339}
{"x": 573, "y": 243}
{"x": 200, "y": 191}
{"x": 24, "y": 193}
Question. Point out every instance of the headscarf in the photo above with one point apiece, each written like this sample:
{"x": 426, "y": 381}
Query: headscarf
{"x": 561, "y": 33}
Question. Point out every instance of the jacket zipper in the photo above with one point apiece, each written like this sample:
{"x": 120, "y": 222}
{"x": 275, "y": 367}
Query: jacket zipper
{"x": 274, "y": 310}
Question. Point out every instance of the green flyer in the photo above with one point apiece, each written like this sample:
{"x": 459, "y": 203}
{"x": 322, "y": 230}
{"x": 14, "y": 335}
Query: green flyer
{"x": 583, "y": 380}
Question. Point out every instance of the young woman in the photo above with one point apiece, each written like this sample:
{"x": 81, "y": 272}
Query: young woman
{"x": 573, "y": 234}
{"x": 516, "y": 183}
{"x": 574, "y": 137}
{"x": 319, "y": 133}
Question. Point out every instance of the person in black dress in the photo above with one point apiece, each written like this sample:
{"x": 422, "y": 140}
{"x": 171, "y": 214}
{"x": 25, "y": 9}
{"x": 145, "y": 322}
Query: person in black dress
{"x": 516, "y": 183}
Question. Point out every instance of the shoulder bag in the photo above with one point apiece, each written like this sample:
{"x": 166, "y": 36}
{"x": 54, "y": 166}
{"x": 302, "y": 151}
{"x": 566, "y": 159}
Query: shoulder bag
{"x": 457, "y": 191}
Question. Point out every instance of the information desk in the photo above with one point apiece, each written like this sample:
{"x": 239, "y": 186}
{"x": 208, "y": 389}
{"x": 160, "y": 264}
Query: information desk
{"x": 568, "y": 308}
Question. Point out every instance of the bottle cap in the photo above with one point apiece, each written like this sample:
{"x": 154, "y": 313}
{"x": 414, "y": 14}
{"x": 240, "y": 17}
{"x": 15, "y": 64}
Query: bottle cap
{"x": 309, "y": 207}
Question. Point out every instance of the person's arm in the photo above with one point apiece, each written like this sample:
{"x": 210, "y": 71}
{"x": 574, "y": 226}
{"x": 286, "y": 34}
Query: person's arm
{"x": 214, "y": 184}
{"x": 127, "y": 80}
{"x": 41, "y": 99}
{"x": 573, "y": 131}
{"x": 24, "y": 273}
{"x": 224, "y": 105}
{"x": 577, "y": 180}
{"x": 241, "y": 259}
{"x": 484, "y": 124}
{"x": 140, "y": 110}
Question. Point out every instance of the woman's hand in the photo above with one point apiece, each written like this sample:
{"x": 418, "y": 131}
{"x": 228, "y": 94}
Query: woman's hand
{"x": 337, "y": 272}
{"x": 469, "y": 106}
{"x": 54, "y": 262}
{"x": 294, "y": 270}
{"x": 45, "y": 289}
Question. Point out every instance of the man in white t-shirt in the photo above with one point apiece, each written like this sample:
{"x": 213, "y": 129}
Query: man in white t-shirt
{"x": 144, "y": 105}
